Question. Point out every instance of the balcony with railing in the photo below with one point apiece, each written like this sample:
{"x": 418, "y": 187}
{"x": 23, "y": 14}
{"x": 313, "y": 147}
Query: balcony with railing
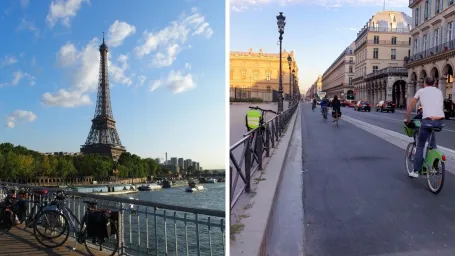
{"x": 434, "y": 51}
{"x": 401, "y": 71}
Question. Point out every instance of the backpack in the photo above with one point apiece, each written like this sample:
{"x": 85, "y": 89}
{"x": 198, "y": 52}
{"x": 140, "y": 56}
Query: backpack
{"x": 101, "y": 225}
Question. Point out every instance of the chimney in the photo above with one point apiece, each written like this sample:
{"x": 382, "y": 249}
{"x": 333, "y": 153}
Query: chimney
{"x": 260, "y": 51}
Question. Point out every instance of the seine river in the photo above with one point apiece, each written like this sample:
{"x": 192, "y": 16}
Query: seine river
{"x": 169, "y": 230}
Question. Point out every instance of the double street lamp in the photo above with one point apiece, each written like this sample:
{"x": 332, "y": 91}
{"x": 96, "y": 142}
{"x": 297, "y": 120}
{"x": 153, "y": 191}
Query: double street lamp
{"x": 293, "y": 87}
{"x": 280, "y": 22}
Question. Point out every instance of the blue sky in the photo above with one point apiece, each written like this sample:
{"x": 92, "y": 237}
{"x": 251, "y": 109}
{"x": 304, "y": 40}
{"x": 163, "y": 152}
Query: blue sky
{"x": 166, "y": 65}
{"x": 318, "y": 31}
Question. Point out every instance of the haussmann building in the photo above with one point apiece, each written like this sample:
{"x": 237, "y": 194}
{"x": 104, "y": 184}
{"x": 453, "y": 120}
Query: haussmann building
{"x": 380, "y": 50}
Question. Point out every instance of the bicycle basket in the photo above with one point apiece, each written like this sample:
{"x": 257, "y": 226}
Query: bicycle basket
{"x": 253, "y": 118}
{"x": 408, "y": 131}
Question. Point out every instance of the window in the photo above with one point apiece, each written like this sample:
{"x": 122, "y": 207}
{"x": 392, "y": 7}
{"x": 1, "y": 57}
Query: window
{"x": 417, "y": 16}
{"x": 409, "y": 53}
{"x": 269, "y": 76}
{"x": 375, "y": 69}
{"x": 256, "y": 75}
{"x": 375, "y": 53}
{"x": 449, "y": 2}
{"x": 394, "y": 40}
{"x": 350, "y": 81}
{"x": 450, "y": 31}
{"x": 437, "y": 8}
{"x": 409, "y": 41}
{"x": 415, "y": 45}
{"x": 436, "y": 37}
{"x": 351, "y": 60}
{"x": 243, "y": 73}
{"x": 393, "y": 54}
{"x": 350, "y": 69}
{"x": 425, "y": 42}
{"x": 376, "y": 40}
{"x": 426, "y": 13}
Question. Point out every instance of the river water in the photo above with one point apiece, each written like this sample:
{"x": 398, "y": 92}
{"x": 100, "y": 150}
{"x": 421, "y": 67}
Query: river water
{"x": 165, "y": 229}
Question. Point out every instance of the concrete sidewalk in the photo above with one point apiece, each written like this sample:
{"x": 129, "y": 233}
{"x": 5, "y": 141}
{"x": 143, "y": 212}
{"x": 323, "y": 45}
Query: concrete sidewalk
{"x": 250, "y": 217}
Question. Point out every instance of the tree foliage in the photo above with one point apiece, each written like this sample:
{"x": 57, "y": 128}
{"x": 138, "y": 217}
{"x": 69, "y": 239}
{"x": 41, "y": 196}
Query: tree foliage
{"x": 20, "y": 162}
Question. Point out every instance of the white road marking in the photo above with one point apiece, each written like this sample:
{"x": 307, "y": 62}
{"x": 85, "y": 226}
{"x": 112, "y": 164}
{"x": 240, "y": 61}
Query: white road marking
{"x": 400, "y": 120}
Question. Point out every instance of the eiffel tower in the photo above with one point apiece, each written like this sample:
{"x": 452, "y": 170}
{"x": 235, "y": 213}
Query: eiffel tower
{"x": 103, "y": 138}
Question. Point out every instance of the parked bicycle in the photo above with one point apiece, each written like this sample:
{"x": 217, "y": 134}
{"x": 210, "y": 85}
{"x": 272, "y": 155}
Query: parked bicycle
{"x": 255, "y": 118}
{"x": 97, "y": 228}
{"x": 434, "y": 162}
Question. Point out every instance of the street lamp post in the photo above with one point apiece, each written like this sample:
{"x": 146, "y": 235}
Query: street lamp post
{"x": 290, "y": 81}
{"x": 294, "y": 96}
{"x": 280, "y": 22}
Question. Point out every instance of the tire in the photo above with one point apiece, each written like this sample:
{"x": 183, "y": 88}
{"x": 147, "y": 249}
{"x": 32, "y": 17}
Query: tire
{"x": 112, "y": 247}
{"x": 436, "y": 190}
{"x": 408, "y": 163}
{"x": 393, "y": 111}
{"x": 39, "y": 235}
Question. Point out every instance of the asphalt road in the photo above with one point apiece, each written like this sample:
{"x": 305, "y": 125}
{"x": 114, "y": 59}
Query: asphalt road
{"x": 357, "y": 197}
{"x": 394, "y": 122}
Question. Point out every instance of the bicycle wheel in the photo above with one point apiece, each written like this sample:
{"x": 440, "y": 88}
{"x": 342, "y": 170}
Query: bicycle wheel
{"x": 409, "y": 158}
{"x": 436, "y": 176}
{"x": 109, "y": 245}
{"x": 51, "y": 227}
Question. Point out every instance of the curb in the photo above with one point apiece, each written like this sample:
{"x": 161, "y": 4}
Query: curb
{"x": 251, "y": 238}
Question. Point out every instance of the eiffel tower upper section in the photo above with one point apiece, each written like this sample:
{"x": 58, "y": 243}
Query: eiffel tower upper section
{"x": 103, "y": 138}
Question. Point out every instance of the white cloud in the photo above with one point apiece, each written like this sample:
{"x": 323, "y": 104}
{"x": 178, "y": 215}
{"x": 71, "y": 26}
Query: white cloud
{"x": 63, "y": 11}
{"x": 176, "y": 81}
{"x": 3, "y": 84}
{"x": 169, "y": 40}
{"x": 188, "y": 66}
{"x": 19, "y": 75}
{"x": 24, "y": 3}
{"x": 67, "y": 55}
{"x": 118, "y": 32}
{"x": 118, "y": 72}
{"x": 64, "y": 98}
{"x": 8, "y": 60}
{"x": 83, "y": 65}
{"x": 29, "y": 25}
{"x": 243, "y": 5}
{"x": 20, "y": 116}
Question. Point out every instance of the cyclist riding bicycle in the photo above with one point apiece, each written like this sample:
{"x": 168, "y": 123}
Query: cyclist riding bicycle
{"x": 431, "y": 100}
{"x": 336, "y": 106}
{"x": 314, "y": 102}
{"x": 324, "y": 104}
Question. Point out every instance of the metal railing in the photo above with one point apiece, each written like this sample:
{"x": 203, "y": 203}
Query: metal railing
{"x": 149, "y": 228}
{"x": 256, "y": 146}
{"x": 447, "y": 46}
{"x": 388, "y": 70}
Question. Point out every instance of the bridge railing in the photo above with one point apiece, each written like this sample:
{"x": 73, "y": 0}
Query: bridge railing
{"x": 154, "y": 228}
{"x": 244, "y": 162}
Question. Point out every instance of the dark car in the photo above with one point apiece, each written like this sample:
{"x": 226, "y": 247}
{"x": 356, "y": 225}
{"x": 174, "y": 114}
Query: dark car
{"x": 363, "y": 105}
{"x": 385, "y": 105}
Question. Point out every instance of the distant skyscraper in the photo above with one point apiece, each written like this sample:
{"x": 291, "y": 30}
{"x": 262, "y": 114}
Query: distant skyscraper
{"x": 174, "y": 160}
{"x": 180, "y": 163}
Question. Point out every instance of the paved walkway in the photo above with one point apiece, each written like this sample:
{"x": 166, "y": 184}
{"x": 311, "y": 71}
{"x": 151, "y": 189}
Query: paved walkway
{"x": 22, "y": 242}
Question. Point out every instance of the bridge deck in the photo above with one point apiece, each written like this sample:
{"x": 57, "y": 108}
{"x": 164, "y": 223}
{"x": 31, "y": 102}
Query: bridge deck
{"x": 22, "y": 242}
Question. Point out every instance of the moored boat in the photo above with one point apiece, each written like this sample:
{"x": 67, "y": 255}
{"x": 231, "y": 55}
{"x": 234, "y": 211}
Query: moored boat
{"x": 194, "y": 187}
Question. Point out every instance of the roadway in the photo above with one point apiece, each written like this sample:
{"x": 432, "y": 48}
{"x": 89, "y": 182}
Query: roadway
{"x": 356, "y": 196}
{"x": 394, "y": 122}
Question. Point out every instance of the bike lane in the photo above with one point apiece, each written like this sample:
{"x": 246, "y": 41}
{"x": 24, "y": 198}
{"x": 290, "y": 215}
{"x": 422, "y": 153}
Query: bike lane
{"x": 358, "y": 200}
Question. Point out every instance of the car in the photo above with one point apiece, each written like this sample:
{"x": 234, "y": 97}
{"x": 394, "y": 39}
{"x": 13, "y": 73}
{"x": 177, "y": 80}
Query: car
{"x": 363, "y": 105}
{"x": 385, "y": 105}
{"x": 352, "y": 104}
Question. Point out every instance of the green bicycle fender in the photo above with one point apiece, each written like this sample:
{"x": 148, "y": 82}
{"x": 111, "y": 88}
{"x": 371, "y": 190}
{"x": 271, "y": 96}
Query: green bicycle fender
{"x": 433, "y": 155}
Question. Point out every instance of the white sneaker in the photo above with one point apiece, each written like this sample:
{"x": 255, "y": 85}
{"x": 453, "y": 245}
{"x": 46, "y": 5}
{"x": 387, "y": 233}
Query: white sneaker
{"x": 414, "y": 174}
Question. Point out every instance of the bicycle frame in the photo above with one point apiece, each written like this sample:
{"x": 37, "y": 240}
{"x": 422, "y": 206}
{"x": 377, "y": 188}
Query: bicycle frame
{"x": 431, "y": 154}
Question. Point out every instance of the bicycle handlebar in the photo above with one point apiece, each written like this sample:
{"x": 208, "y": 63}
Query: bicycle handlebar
{"x": 265, "y": 110}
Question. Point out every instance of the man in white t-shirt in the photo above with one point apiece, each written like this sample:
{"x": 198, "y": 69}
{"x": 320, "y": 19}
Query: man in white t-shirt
{"x": 432, "y": 102}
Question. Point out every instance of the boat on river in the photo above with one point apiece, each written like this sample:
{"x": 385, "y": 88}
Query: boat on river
{"x": 211, "y": 180}
{"x": 194, "y": 187}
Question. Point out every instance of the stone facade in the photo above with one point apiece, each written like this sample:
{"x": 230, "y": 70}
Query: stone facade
{"x": 261, "y": 70}
{"x": 383, "y": 43}
{"x": 337, "y": 79}
{"x": 433, "y": 46}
